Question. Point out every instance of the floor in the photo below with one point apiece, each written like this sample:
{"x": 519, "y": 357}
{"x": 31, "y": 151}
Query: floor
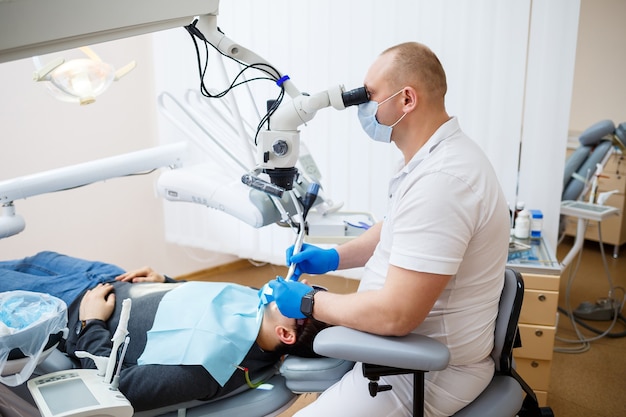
{"x": 587, "y": 384}
{"x": 593, "y": 383}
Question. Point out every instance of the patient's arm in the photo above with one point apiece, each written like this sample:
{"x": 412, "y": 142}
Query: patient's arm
{"x": 145, "y": 274}
{"x": 150, "y": 386}
{"x": 153, "y": 386}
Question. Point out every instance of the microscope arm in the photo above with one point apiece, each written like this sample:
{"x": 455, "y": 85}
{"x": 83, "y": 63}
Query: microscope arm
{"x": 207, "y": 30}
{"x": 279, "y": 146}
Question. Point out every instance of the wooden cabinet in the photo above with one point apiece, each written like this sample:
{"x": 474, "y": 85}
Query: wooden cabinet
{"x": 537, "y": 327}
{"x": 538, "y": 317}
{"x": 613, "y": 229}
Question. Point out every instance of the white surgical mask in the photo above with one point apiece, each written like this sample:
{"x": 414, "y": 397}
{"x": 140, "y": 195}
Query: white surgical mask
{"x": 367, "y": 116}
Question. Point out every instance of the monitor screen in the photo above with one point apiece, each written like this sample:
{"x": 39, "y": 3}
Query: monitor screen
{"x": 66, "y": 395}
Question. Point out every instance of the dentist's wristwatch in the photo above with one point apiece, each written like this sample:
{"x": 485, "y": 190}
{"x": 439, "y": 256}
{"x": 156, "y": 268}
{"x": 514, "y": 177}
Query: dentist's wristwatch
{"x": 306, "y": 305}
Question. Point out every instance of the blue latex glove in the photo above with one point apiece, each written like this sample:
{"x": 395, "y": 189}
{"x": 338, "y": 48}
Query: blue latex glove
{"x": 288, "y": 296}
{"x": 312, "y": 260}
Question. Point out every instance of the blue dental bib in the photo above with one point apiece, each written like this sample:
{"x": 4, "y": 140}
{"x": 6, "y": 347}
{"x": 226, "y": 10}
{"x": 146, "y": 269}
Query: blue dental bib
{"x": 204, "y": 323}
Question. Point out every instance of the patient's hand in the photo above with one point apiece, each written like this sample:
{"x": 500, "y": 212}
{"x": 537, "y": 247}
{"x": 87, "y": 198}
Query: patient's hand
{"x": 145, "y": 274}
{"x": 97, "y": 303}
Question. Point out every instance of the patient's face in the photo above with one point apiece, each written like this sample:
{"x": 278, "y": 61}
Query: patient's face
{"x": 273, "y": 314}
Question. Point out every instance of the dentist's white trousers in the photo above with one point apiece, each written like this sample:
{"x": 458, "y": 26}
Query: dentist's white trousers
{"x": 350, "y": 397}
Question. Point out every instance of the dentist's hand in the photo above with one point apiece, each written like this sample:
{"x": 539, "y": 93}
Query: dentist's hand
{"x": 288, "y": 296}
{"x": 312, "y": 260}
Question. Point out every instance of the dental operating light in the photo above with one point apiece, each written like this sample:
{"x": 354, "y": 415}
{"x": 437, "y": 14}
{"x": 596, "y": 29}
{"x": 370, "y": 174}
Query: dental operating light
{"x": 79, "y": 80}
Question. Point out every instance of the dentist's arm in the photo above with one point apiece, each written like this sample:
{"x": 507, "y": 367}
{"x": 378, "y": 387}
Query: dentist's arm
{"x": 357, "y": 252}
{"x": 400, "y": 306}
{"x": 314, "y": 260}
{"x": 396, "y": 309}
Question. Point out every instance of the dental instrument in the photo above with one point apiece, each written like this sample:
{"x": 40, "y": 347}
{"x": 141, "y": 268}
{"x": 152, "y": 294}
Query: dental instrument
{"x": 118, "y": 338}
{"x": 307, "y": 203}
{"x": 296, "y": 249}
{"x": 116, "y": 378}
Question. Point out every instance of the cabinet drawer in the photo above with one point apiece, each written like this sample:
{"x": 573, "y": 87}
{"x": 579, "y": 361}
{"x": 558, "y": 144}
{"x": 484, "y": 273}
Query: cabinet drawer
{"x": 537, "y": 341}
{"x": 535, "y": 372}
{"x": 542, "y": 398}
{"x": 539, "y": 307}
{"x": 541, "y": 282}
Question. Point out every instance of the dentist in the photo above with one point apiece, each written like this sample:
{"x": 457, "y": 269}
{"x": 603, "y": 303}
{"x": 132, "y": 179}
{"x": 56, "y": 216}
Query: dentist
{"x": 434, "y": 266}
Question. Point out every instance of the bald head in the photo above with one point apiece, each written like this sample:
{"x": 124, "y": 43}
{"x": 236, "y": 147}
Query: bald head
{"x": 415, "y": 64}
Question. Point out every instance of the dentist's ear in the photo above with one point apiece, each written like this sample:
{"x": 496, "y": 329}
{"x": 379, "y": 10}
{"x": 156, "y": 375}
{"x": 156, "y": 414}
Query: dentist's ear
{"x": 411, "y": 98}
{"x": 286, "y": 335}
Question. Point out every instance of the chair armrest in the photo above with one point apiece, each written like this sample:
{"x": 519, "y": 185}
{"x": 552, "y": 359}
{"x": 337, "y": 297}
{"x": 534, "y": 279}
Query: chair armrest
{"x": 414, "y": 351}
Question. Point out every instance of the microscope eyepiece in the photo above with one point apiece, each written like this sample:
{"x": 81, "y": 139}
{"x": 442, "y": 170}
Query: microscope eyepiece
{"x": 355, "y": 97}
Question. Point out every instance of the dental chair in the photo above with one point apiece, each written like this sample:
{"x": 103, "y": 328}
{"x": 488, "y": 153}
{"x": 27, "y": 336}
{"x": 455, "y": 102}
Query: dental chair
{"x": 596, "y": 144}
{"x": 507, "y": 394}
{"x": 582, "y": 168}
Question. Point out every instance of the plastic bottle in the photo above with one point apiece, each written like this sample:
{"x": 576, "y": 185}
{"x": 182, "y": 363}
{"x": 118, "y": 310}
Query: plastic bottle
{"x": 522, "y": 224}
{"x": 536, "y": 223}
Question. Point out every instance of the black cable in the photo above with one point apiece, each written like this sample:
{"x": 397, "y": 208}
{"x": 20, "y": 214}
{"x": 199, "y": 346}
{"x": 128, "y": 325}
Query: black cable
{"x": 272, "y": 75}
{"x": 595, "y": 330}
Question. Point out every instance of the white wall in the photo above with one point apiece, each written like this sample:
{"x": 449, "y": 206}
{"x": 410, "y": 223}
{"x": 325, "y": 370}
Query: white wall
{"x": 509, "y": 67}
{"x": 599, "y": 78}
{"x": 121, "y": 221}
{"x": 118, "y": 221}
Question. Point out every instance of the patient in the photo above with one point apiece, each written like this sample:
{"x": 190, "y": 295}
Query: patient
{"x": 94, "y": 292}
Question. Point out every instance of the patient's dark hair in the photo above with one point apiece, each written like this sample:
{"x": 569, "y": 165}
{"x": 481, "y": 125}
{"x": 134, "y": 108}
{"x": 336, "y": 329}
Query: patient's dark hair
{"x": 304, "y": 339}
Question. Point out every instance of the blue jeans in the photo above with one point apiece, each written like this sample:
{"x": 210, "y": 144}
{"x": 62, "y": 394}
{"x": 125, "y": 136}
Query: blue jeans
{"x": 59, "y": 275}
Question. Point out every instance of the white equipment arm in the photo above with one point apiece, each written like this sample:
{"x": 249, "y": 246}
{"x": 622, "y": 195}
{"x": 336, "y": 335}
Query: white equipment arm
{"x": 37, "y": 27}
{"x": 79, "y": 175}
{"x": 90, "y": 172}
{"x": 27, "y": 29}
{"x": 279, "y": 147}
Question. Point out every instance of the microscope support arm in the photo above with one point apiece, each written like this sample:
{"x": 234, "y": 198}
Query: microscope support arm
{"x": 278, "y": 147}
{"x": 207, "y": 26}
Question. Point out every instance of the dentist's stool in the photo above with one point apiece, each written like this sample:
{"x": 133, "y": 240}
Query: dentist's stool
{"x": 381, "y": 356}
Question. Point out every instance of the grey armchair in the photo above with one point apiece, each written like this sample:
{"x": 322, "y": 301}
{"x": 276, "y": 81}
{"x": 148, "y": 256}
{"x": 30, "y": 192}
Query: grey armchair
{"x": 503, "y": 397}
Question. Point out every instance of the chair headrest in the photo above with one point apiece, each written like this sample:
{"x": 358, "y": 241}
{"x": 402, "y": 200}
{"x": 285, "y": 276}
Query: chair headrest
{"x": 594, "y": 133}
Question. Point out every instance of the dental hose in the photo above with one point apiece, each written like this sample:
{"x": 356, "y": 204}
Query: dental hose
{"x": 246, "y": 373}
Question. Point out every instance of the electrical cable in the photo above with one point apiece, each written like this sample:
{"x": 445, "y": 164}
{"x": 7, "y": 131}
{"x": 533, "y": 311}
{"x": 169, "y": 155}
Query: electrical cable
{"x": 584, "y": 324}
{"x": 272, "y": 75}
{"x": 583, "y": 341}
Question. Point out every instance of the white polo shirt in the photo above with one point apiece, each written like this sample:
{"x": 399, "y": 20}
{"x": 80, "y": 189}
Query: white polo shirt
{"x": 447, "y": 215}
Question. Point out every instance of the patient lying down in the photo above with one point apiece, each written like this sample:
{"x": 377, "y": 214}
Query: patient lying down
{"x": 188, "y": 340}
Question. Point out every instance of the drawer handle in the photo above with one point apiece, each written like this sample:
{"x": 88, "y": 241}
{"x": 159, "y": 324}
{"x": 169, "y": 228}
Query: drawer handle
{"x": 534, "y": 364}
{"x": 541, "y": 297}
{"x": 538, "y": 333}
